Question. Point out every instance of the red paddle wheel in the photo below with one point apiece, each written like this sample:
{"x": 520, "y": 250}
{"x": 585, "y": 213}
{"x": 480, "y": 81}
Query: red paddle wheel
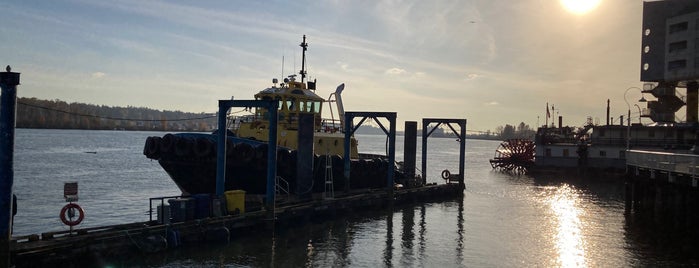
{"x": 514, "y": 155}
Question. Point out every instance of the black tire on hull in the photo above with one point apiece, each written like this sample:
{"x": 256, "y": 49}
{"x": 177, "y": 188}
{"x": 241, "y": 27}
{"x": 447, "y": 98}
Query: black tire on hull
{"x": 244, "y": 153}
{"x": 183, "y": 146}
{"x": 203, "y": 148}
{"x": 167, "y": 143}
{"x": 152, "y": 147}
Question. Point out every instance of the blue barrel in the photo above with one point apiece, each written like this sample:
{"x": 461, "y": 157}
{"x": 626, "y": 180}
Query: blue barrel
{"x": 202, "y": 206}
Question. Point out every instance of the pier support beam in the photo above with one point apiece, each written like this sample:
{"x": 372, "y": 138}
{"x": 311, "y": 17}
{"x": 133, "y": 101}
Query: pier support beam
{"x": 391, "y": 132}
{"x": 8, "y": 101}
{"x": 462, "y": 144}
{"x": 271, "y": 106}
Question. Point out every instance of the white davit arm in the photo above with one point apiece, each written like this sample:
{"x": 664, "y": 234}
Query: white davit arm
{"x": 340, "y": 107}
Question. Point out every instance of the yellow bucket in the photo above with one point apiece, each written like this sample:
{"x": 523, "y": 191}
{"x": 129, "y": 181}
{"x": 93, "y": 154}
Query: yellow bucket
{"x": 235, "y": 201}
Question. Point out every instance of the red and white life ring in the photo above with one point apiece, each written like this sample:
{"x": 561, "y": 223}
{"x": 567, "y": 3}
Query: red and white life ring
{"x": 446, "y": 174}
{"x": 69, "y": 220}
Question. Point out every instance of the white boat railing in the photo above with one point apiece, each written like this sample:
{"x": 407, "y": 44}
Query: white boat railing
{"x": 669, "y": 162}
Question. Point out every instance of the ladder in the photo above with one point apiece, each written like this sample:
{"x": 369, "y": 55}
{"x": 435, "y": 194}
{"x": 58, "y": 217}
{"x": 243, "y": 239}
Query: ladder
{"x": 329, "y": 188}
{"x": 282, "y": 187}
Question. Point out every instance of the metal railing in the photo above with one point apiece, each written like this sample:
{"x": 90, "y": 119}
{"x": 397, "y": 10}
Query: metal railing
{"x": 282, "y": 186}
{"x": 670, "y": 162}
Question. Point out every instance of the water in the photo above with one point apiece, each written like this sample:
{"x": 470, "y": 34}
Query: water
{"x": 502, "y": 221}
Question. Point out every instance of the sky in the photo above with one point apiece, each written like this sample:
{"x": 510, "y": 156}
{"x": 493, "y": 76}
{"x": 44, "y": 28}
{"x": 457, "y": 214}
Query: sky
{"x": 492, "y": 62}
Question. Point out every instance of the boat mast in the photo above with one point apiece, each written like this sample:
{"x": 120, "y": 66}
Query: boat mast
{"x": 304, "y": 45}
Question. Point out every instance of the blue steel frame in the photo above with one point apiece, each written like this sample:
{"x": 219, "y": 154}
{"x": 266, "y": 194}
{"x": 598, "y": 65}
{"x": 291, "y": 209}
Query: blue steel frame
{"x": 349, "y": 131}
{"x": 462, "y": 144}
{"x": 272, "y": 106}
{"x": 8, "y": 102}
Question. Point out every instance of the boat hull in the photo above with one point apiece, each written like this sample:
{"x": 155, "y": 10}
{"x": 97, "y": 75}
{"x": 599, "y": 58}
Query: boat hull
{"x": 190, "y": 161}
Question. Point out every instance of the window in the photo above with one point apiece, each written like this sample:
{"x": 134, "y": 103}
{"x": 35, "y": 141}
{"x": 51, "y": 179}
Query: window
{"x": 602, "y": 153}
{"x": 675, "y": 47}
{"x": 651, "y": 133}
{"x": 679, "y": 27}
{"x": 601, "y": 132}
{"x": 622, "y": 154}
{"x": 548, "y": 152}
{"x": 565, "y": 152}
{"x": 676, "y": 65}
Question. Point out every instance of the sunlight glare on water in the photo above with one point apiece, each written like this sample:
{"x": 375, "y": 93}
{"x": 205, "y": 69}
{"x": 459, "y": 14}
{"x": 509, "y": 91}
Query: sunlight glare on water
{"x": 564, "y": 203}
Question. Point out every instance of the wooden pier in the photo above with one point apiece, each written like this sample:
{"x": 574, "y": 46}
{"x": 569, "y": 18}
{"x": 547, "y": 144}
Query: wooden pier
{"x": 663, "y": 186}
{"x": 85, "y": 246}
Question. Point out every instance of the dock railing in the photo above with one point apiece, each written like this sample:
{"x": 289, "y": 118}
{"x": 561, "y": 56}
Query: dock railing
{"x": 663, "y": 161}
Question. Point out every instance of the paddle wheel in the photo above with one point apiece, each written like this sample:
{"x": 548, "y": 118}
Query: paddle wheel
{"x": 514, "y": 155}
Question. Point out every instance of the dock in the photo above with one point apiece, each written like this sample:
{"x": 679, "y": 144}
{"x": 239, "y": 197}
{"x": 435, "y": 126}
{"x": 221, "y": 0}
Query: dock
{"x": 215, "y": 222}
{"x": 84, "y": 246}
{"x": 663, "y": 186}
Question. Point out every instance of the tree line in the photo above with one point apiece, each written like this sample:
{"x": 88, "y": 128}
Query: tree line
{"x": 521, "y": 131}
{"x": 58, "y": 114}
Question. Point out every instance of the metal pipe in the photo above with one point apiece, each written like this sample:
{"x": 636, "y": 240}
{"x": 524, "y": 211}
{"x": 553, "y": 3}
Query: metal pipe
{"x": 8, "y": 101}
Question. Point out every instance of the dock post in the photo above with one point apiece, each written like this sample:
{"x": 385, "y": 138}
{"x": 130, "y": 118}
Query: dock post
{"x": 391, "y": 150}
{"x": 410, "y": 149}
{"x": 8, "y": 101}
{"x": 304, "y": 157}
{"x": 272, "y": 156}
{"x": 223, "y": 107}
{"x": 462, "y": 152}
{"x": 425, "y": 123}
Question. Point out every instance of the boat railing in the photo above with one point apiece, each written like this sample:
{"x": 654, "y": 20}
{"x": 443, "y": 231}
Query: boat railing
{"x": 657, "y": 143}
{"x": 331, "y": 125}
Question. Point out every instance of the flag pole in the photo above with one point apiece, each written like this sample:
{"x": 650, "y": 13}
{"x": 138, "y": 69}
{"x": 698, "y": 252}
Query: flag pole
{"x": 547, "y": 115}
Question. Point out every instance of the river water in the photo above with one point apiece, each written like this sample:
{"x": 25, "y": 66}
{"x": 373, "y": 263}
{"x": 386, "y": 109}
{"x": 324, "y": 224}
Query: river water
{"x": 502, "y": 220}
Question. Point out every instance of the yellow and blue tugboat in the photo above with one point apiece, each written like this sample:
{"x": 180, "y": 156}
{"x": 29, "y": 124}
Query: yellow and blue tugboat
{"x": 190, "y": 158}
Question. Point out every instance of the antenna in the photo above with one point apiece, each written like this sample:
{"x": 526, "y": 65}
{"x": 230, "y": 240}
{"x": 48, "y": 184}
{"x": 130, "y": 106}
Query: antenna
{"x": 282, "y": 77}
{"x": 304, "y": 45}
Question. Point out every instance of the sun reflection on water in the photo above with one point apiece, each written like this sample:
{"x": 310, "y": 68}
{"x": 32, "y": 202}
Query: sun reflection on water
{"x": 564, "y": 203}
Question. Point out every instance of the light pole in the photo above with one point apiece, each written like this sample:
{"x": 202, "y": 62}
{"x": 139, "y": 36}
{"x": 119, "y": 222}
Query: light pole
{"x": 628, "y": 125}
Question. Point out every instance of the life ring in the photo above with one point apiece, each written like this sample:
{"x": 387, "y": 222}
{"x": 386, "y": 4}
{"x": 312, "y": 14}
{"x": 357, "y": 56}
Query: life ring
{"x": 446, "y": 174}
{"x": 71, "y": 222}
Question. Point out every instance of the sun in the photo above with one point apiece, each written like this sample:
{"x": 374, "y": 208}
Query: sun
{"x": 580, "y": 6}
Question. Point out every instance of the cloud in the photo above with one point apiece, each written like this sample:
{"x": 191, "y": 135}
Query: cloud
{"x": 395, "y": 71}
{"x": 491, "y": 103}
{"x": 473, "y": 76}
{"x": 344, "y": 66}
{"x": 98, "y": 75}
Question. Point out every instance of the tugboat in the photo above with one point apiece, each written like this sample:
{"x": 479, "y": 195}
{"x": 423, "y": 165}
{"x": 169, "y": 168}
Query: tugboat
{"x": 190, "y": 158}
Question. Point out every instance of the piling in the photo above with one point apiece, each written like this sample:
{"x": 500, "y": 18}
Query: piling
{"x": 304, "y": 156}
{"x": 8, "y": 101}
{"x": 409, "y": 149}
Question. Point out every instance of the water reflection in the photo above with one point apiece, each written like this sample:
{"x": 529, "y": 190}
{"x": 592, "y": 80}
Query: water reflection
{"x": 388, "y": 252}
{"x": 564, "y": 203}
